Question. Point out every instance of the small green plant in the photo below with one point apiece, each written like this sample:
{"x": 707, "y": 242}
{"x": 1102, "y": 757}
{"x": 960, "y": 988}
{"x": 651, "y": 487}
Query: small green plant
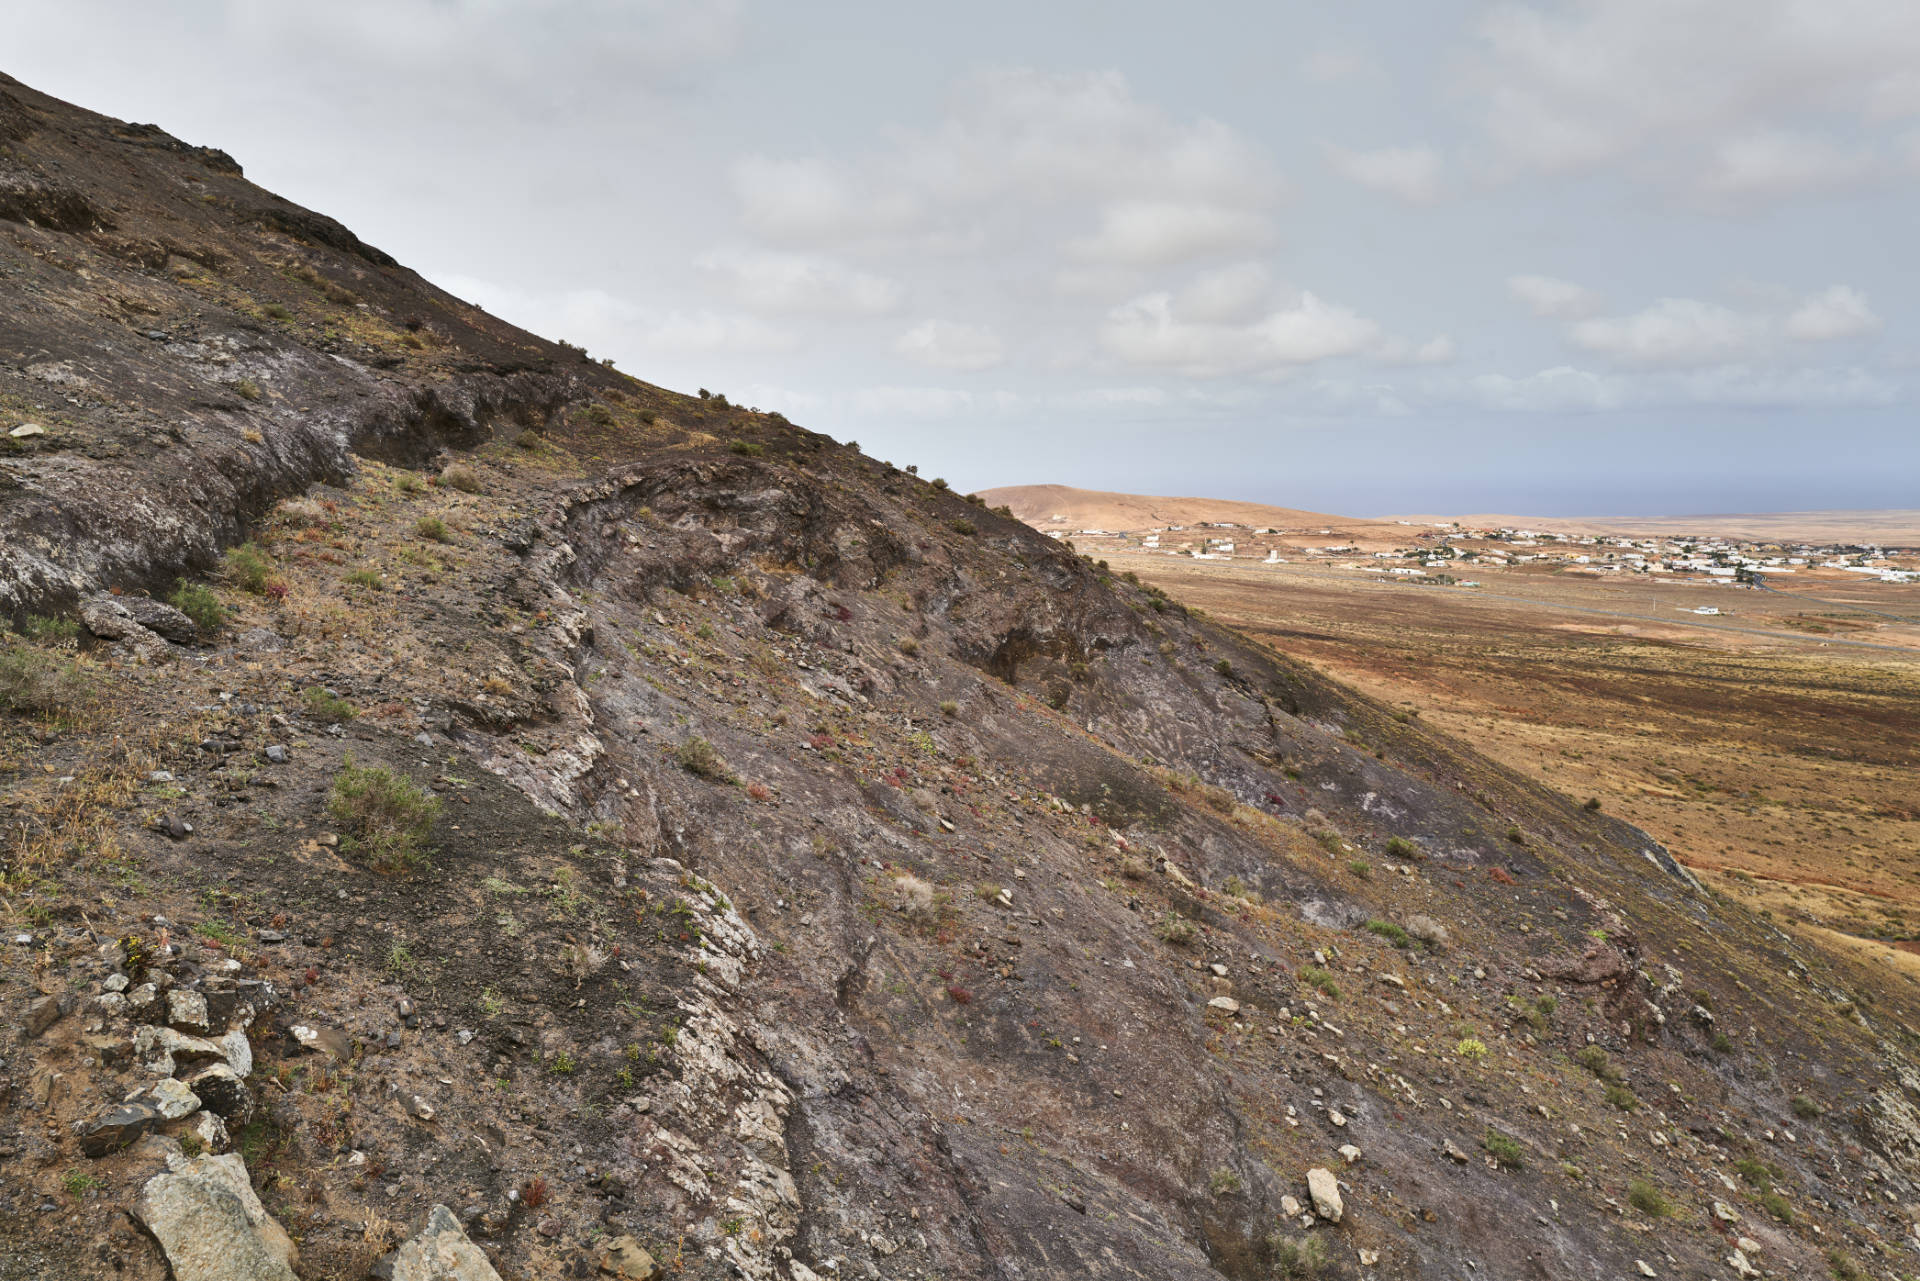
{"x": 399, "y": 960}
{"x": 1471, "y": 1048}
{"x": 1360, "y": 868}
{"x": 1517, "y": 836}
{"x": 1175, "y": 930}
{"x": 965, "y": 528}
{"x": 938, "y": 482}
{"x": 562, "y": 1064}
{"x": 698, "y": 757}
{"x": 1721, "y": 1043}
{"x": 1223, "y": 1182}
{"x": 248, "y": 568}
{"x": 909, "y": 646}
{"x": 986, "y": 891}
{"x": 1776, "y": 1205}
{"x": 275, "y": 311}
{"x": 77, "y": 1183}
{"x": 1595, "y": 1060}
{"x": 1593, "y": 803}
{"x": 408, "y": 483}
{"x": 1390, "y": 932}
{"x": 1621, "y": 1097}
{"x": 247, "y": 389}
{"x": 490, "y": 1005}
{"x": 197, "y": 601}
{"x": 1805, "y": 1108}
{"x": 1401, "y": 847}
{"x": 1321, "y": 981}
{"x": 1843, "y": 1268}
{"x": 949, "y": 708}
{"x": 433, "y": 529}
{"x": 746, "y": 448}
{"x": 50, "y": 631}
{"x": 369, "y": 578}
{"x": 461, "y": 477}
{"x": 1298, "y": 1258}
{"x": 323, "y": 704}
{"x": 1504, "y": 1148}
{"x": 385, "y": 816}
{"x": 1648, "y": 1199}
{"x": 35, "y": 683}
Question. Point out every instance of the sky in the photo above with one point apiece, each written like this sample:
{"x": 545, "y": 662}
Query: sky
{"x": 1542, "y": 257}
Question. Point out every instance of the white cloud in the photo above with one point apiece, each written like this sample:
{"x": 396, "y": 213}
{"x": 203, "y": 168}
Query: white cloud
{"x": 1687, "y": 332}
{"x": 912, "y": 402}
{"x": 799, "y": 283}
{"x": 1778, "y": 163}
{"x": 1560, "y": 389}
{"x": 1237, "y": 292}
{"x": 1158, "y": 232}
{"x": 1552, "y": 297}
{"x": 947, "y": 345}
{"x": 1411, "y": 174}
{"x": 805, "y": 200}
{"x": 1837, "y": 312}
{"x": 601, "y": 321}
{"x": 1717, "y": 94}
{"x": 1673, "y": 331}
{"x": 1437, "y": 350}
{"x": 1013, "y": 144}
{"x": 1151, "y": 331}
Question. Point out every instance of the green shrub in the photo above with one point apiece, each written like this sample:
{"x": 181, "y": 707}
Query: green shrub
{"x": 698, "y": 757}
{"x": 1647, "y": 1199}
{"x": 1390, "y": 932}
{"x": 1621, "y": 1097}
{"x": 1805, "y": 1108}
{"x": 1843, "y": 1268}
{"x": 1593, "y": 803}
{"x": 364, "y": 578}
{"x": 1223, "y": 668}
{"x": 1177, "y": 930}
{"x": 385, "y": 817}
{"x": 248, "y": 568}
{"x": 1401, "y": 847}
{"x": 50, "y": 631}
{"x": 938, "y": 482}
{"x": 1320, "y": 980}
{"x": 1504, "y": 1148}
{"x": 1299, "y": 1258}
{"x": 247, "y": 389}
{"x": 746, "y": 448}
{"x": 965, "y": 528}
{"x": 36, "y": 683}
{"x": 1471, "y": 1047}
{"x": 408, "y": 483}
{"x": 323, "y": 704}
{"x": 949, "y": 708}
{"x": 461, "y": 477}
{"x": 1360, "y": 868}
{"x": 1776, "y": 1205}
{"x": 1223, "y": 1182}
{"x": 197, "y": 601}
{"x": 909, "y": 646}
{"x": 433, "y": 529}
{"x": 1595, "y": 1060}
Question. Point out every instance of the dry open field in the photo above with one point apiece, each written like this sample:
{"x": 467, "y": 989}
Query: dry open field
{"x": 1782, "y": 767}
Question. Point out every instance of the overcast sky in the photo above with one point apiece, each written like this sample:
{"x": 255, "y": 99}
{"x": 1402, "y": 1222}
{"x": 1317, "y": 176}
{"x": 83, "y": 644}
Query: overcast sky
{"x": 1544, "y": 257}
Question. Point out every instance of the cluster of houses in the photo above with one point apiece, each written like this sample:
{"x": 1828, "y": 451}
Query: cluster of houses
{"x": 1442, "y": 550}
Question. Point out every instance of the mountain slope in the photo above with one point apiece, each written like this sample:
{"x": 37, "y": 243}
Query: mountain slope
{"x": 1097, "y": 509}
{"x": 828, "y": 877}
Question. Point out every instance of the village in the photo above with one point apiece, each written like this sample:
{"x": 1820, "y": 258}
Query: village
{"x": 1448, "y": 553}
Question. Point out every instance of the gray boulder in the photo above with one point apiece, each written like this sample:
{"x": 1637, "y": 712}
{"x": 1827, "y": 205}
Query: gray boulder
{"x": 116, "y": 1127}
{"x": 210, "y": 1224}
{"x": 440, "y": 1252}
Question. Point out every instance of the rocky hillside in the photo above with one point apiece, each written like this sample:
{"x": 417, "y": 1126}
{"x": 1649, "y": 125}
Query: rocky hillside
{"x": 469, "y": 812}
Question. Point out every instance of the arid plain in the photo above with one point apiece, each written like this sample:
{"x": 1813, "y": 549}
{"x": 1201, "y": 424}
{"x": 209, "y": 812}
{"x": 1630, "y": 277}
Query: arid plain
{"x": 1773, "y": 747}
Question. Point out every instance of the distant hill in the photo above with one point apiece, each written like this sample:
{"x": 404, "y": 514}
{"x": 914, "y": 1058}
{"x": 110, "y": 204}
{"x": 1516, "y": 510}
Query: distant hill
{"x": 1039, "y": 505}
{"x": 1891, "y": 527}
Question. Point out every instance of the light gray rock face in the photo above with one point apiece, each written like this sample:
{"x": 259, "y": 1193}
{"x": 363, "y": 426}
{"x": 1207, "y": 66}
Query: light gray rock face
{"x": 210, "y": 1224}
{"x": 441, "y": 1252}
{"x": 1325, "y": 1191}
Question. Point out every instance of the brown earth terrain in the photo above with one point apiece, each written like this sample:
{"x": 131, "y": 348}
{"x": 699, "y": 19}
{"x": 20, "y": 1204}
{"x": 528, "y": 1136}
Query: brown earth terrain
{"x": 1783, "y": 764}
{"x": 565, "y": 828}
